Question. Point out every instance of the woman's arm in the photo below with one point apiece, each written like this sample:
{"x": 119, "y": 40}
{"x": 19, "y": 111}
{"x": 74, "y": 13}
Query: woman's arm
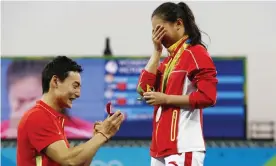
{"x": 149, "y": 75}
{"x": 205, "y": 81}
{"x": 153, "y": 62}
{"x": 205, "y": 96}
{"x": 202, "y": 73}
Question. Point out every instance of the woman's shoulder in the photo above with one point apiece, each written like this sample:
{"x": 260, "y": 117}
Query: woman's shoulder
{"x": 198, "y": 47}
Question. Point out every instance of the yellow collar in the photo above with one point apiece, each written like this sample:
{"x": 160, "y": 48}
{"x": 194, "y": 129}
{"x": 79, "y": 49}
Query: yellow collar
{"x": 175, "y": 45}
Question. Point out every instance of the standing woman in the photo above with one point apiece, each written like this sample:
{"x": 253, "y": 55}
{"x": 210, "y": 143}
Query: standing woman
{"x": 178, "y": 88}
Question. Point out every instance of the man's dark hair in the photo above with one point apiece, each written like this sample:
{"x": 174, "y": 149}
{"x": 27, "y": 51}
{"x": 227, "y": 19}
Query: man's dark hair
{"x": 170, "y": 12}
{"x": 60, "y": 67}
{"x": 21, "y": 68}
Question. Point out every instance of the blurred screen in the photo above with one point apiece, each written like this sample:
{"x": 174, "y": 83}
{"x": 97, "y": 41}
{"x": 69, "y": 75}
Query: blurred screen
{"x": 115, "y": 80}
{"x": 225, "y": 120}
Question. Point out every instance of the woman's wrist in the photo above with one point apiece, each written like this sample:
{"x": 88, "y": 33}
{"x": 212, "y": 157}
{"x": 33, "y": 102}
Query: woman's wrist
{"x": 157, "y": 52}
{"x": 166, "y": 99}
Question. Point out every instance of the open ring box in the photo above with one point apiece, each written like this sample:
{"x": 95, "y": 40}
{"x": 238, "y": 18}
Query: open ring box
{"x": 108, "y": 109}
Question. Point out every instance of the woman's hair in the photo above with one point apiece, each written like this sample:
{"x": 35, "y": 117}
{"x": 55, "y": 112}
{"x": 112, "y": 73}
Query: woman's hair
{"x": 170, "y": 12}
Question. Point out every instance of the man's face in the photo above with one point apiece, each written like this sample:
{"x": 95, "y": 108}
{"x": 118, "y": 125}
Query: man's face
{"x": 23, "y": 93}
{"x": 69, "y": 89}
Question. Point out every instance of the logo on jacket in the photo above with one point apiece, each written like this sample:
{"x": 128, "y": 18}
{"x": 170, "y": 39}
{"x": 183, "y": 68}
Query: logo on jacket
{"x": 173, "y": 163}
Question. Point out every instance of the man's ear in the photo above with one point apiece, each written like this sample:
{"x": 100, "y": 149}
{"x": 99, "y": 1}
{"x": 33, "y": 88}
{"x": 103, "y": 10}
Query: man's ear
{"x": 54, "y": 82}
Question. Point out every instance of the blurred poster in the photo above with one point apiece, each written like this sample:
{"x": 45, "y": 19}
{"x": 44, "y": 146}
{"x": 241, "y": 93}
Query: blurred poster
{"x": 21, "y": 88}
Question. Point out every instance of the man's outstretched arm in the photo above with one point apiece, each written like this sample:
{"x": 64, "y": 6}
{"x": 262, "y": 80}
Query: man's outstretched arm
{"x": 78, "y": 155}
{"x": 45, "y": 139}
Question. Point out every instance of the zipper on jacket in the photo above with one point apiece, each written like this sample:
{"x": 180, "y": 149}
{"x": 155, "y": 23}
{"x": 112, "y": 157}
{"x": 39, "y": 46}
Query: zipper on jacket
{"x": 156, "y": 131}
{"x": 173, "y": 125}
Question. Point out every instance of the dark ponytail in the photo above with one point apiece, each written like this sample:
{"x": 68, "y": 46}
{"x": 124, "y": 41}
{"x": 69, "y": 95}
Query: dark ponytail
{"x": 191, "y": 29}
{"x": 171, "y": 12}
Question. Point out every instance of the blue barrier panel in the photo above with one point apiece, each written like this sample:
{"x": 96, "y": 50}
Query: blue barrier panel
{"x": 131, "y": 156}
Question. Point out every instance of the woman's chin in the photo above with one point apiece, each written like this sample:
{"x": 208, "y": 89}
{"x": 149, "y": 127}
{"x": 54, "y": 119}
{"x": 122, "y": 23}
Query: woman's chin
{"x": 166, "y": 44}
